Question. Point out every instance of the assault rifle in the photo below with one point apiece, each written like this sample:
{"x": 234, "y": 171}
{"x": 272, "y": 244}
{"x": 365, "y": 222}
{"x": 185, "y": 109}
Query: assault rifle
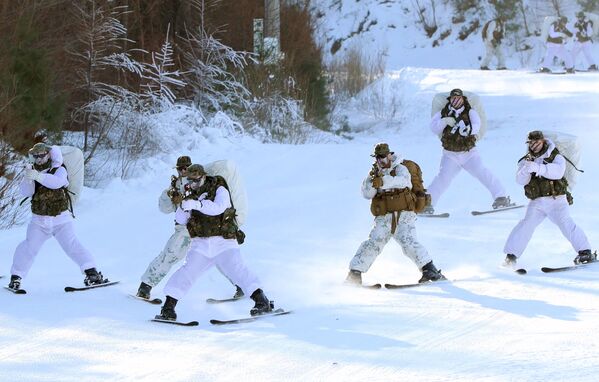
{"x": 173, "y": 192}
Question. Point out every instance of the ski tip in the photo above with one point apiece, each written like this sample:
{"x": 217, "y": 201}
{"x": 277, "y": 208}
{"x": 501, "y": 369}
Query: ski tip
{"x": 546, "y": 269}
{"x": 69, "y": 289}
{"x": 373, "y": 286}
{"x": 521, "y": 271}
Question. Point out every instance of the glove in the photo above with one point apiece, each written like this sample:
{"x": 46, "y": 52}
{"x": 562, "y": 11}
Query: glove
{"x": 533, "y": 167}
{"x": 377, "y": 182}
{"x": 177, "y": 199}
{"x": 203, "y": 196}
{"x": 191, "y": 204}
{"x": 449, "y": 121}
{"x": 33, "y": 175}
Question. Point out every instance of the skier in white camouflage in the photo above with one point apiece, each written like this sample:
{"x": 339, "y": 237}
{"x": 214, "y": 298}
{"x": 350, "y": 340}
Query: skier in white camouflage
{"x": 583, "y": 40}
{"x": 177, "y": 245}
{"x": 493, "y": 33}
{"x": 395, "y": 187}
{"x": 458, "y": 125}
{"x": 209, "y": 215}
{"x": 541, "y": 172}
{"x": 46, "y": 184}
{"x": 557, "y": 38}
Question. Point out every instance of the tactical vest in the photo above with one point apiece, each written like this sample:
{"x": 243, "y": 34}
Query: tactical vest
{"x": 48, "y": 202}
{"x": 497, "y": 34}
{"x": 581, "y": 35}
{"x": 540, "y": 186}
{"x": 225, "y": 224}
{"x": 456, "y": 142}
{"x": 401, "y": 199}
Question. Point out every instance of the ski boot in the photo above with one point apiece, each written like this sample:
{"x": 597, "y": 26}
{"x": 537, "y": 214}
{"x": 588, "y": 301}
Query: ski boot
{"x": 15, "y": 282}
{"x": 167, "y": 312}
{"x": 262, "y": 303}
{"x": 585, "y": 256}
{"x": 502, "y": 201}
{"x": 544, "y": 70}
{"x": 502, "y": 68}
{"x": 428, "y": 210}
{"x": 93, "y": 277}
{"x": 354, "y": 277}
{"x": 484, "y": 68}
{"x": 592, "y": 68}
{"x": 238, "y": 292}
{"x": 570, "y": 70}
{"x": 510, "y": 260}
{"x": 430, "y": 273}
{"x": 144, "y": 291}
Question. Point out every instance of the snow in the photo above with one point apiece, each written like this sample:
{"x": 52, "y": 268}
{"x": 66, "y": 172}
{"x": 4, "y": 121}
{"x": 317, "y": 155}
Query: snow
{"x": 306, "y": 221}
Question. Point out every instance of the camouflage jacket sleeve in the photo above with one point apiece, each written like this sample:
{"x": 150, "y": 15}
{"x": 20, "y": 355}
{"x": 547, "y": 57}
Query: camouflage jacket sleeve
{"x": 165, "y": 204}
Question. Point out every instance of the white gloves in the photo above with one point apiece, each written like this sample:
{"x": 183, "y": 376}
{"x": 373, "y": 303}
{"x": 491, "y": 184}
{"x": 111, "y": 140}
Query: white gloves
{"x": 191, "y": 204}
{"x": 448, "y": 121}
{"x": 533, "y": 167}
{"x": 33, "y": 175}
{"x": 203, "y": 196}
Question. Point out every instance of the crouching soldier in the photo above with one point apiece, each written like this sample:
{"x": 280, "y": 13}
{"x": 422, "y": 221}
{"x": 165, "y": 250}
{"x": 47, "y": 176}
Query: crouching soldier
{"x": 395, "y": 187}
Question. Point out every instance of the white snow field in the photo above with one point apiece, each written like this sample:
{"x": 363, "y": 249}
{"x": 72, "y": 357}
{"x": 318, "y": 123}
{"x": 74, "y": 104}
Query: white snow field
{"x": 306, "y": 220}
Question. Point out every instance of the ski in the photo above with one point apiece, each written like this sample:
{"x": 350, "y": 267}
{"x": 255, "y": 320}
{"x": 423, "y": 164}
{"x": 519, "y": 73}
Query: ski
{"x": 220, "y": 301}
{"x": 406, "y": 286}
{"x": 373, "y": 286}
{"x": 568, "y": 268}
{"x": 278, "y": 312}
{"x": 521, "y": 271}
{"x": 16, "y": 291}
{"x": 476, "y": 213}
{"x": 77, "y": 289}
{"x": 190, "y": 323}
{"x": 443, "y": 215}
{"x": 154, "y": 301}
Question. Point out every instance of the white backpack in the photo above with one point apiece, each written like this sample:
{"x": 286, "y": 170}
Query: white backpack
{"x": 440, "y": 100}
{"x": 547, "y": 21}
{"x": 228, "y": 170}
{"x": 72, "y": 158}
{"x": 569, "y": 146}
{"x": 595, "y": 19}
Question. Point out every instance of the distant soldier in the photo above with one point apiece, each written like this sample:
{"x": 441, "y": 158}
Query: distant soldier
{"x": 557, "y": 38}
{"x": 583, "y": 41}
{"x": 493, "y": 33}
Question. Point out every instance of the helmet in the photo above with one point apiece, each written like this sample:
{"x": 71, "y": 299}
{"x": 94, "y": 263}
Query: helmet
{"x": 580, "y": 15}
{"x": 563, "y": 19}
{"x": 195, "y": 171}
{"x": 456, "y": 92}
{"x": 183, "y": 161}
{"x": 381, "y": 150}
{"x": 535, "y": 135}
{"x": 39, "y": 148}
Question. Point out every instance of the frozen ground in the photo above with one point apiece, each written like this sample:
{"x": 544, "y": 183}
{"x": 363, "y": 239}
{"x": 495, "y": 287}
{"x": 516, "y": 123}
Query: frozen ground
{"x": 307, "y": 219}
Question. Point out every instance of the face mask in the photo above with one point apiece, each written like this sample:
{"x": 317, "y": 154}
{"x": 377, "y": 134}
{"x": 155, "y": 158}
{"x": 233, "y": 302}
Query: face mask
{"x": 40, "y": 159}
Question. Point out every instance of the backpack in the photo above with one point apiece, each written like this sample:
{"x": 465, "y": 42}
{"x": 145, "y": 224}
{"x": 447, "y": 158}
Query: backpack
{"x": 569, "y": 147}
{"x": 547, "y": 21}
{"x": 228, "y": 170}
{"x": 440, "y": 100}
{"x": 72, "y": 159}
{"x": 594, "y": 18}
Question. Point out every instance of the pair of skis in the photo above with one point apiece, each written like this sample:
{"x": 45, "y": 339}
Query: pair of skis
{"x": 522, "y": 271}
{"x": 277, "y": 312}
{"x": 404, "y": 286}
{"x": 474, "y": 213}
{"x": 68, "y": 288}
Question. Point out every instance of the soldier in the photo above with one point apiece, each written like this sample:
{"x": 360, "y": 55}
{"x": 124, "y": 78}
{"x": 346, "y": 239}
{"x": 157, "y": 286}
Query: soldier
{"x": 395, "y": 187}
{"x": 583, "y": 41}
{"x": 458, "y": 125}
{"x": 541, "y": 172}
{"x": 46, "y": 183}
{"x": 210, "y": 219}
{"x": 492, "y": 37}
{"x": 177, "y": 245}
{"x": 556, "y": 45}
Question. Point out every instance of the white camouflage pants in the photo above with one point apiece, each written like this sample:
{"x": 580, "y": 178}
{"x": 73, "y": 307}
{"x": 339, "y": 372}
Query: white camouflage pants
{"x": 174, "y": 251}
{"x": 559, "y": 51}
{"x": 557, "y": 210}
{"x": 585, "y": 47}
{"x": 205, "y": 253}
{"x": 405, "y": 235}
{"x": 493, "y": 51}
{"x": 452, "y": 163}
{"x": 37, "y": 233}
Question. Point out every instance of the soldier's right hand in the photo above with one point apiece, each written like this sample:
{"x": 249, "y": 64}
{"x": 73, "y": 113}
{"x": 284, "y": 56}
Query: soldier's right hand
{"x": 377, "y": 182}
{"x": 448, "y": 121}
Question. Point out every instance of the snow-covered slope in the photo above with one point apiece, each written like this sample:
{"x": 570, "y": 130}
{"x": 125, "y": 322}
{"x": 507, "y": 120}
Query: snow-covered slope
{"x": 306, "y": 220}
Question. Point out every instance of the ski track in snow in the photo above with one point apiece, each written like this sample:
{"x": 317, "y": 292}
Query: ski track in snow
{"x": 306, "y": 220}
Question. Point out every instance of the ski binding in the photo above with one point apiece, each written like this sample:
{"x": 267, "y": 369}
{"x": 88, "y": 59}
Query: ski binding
{"x": 154, "y": 301}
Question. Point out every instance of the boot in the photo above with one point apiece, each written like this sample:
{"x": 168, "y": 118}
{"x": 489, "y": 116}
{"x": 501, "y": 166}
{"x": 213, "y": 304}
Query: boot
{"x": 93, "y": 277}
{"x": 238, "y": 292}
{"x": 15, "y": 282}
{"x": 544, "y": 70}
{"x": 502, "y": 201}
{"x": 144, "y": 291}
{"x": 262, "y": 303}
{"x": 484, "y": 68}
{"x": 167, "y": 312}
{"x": 585, "y": 256}
{"x": 428, "y": 210}
{"x": 354, "y": 277}
{"x": 570, "y": 70}
{"x": 510, "y": 260}
{"x": 430, "y": 273}
{"x": 592, "y": 68}
{"x": 502, "y": 68}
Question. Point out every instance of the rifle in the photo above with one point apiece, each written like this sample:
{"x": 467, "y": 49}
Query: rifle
{"x": 375, "y": 173}
{"x": 173, "y": 192}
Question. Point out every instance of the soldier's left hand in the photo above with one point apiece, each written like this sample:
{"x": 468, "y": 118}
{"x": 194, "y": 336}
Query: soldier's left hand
{"x": 190, "y": 204}
{"x": 533, "y": 167}
{"x": 32, "y": 174}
